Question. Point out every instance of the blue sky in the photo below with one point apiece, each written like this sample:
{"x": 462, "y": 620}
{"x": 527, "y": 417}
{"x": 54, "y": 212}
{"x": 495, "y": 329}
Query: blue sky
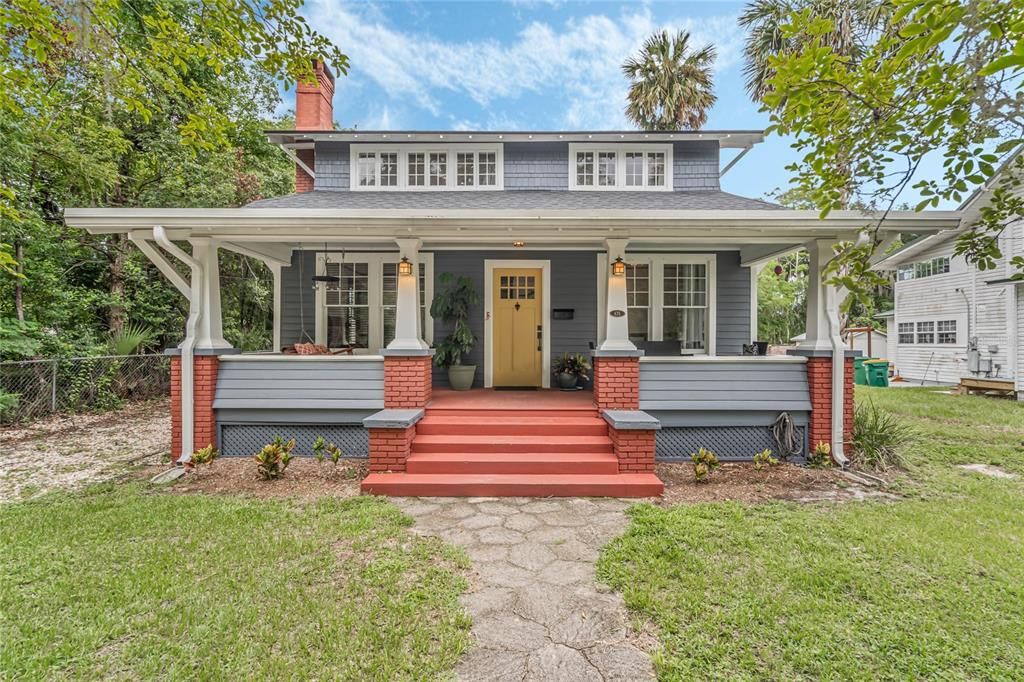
{"x": 528, "y": 64}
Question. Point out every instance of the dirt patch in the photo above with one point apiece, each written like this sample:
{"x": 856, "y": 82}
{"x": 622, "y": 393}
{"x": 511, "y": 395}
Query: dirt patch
{"x": 70, "y": 451}
{"x": 741, "y": 482}
{"x": 304, "y": 479}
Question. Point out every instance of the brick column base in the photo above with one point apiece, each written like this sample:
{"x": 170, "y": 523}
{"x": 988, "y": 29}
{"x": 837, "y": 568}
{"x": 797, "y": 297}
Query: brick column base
{"x": 634, "y": 448}
{"x": 819, "y": 384}
{"x": 389, "y": 448}
{"x": 204, "y": 386}
{"x": 408, "y": 380}
{"x": 617, "y": 382}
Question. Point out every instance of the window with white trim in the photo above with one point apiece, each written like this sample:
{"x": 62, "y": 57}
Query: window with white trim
{"x": 631, "y": 167}
{"x": 671, "y": 297}
{"x": 638, "y": 301}
{"x": 927, "y": 268}
{"x": 426, "y": 167}
{"x": 926, "y": 332}
{"x": 360, "y": 309}
{"x": 946, "y": 331}
{"x": 905, "y": 333}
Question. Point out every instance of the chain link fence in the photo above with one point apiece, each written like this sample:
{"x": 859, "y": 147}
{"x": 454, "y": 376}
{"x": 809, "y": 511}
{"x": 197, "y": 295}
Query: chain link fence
{"x": 33, "y": 389}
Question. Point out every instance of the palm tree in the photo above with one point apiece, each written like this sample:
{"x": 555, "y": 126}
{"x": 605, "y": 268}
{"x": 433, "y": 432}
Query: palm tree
{"x": 670, "y": 84}
{"x": 853, "y": 24}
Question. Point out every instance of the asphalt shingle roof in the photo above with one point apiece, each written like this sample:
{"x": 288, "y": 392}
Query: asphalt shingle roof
{"x": 525, "y": 200}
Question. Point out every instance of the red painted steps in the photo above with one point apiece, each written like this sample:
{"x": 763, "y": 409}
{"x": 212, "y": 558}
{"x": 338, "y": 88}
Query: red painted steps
{"x": 522, "y": 451}
{"x": 513, "y": 485}
{"x": 512, "y": 463}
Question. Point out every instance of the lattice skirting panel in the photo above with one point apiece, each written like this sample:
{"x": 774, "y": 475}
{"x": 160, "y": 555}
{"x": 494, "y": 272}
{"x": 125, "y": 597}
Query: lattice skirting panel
{"x": 240, "y": 440}
{"x": 735, "y": 443}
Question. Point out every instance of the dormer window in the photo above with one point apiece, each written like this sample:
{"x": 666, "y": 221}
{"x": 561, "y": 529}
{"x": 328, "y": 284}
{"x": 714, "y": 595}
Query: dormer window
{"x": 426, "y": 167}
{"x": 631, "y": 167}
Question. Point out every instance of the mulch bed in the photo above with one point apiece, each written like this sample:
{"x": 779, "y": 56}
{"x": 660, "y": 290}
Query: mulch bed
{"x": 741, "y": 482}
{"x": 303, "y": 479}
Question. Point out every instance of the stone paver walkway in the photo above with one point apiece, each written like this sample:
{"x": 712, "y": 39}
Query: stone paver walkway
{"x": 538, "y": 613}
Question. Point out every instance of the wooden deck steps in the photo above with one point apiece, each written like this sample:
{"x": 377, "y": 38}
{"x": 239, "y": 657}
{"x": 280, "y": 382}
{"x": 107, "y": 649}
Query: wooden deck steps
{"x": 517, "y": 451}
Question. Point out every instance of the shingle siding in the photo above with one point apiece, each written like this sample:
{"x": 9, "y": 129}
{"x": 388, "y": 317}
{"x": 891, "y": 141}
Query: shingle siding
{"x": 540, "y": 165}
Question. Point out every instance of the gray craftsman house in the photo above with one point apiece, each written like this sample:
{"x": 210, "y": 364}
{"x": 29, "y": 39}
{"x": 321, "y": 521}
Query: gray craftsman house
{"x": 617, "y": 245}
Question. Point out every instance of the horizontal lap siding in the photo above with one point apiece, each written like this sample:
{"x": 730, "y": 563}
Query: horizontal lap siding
{"x": 743, "y": 386}
{"x": 298, "y": 299}
{"x": 294, "y": 384}
{"x": 732, "y": 304}
{"x": 573, "y": 285}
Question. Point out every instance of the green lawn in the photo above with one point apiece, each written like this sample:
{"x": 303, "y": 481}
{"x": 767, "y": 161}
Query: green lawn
{"x": 130, "y": 583}
{"x": 931, "y": 587}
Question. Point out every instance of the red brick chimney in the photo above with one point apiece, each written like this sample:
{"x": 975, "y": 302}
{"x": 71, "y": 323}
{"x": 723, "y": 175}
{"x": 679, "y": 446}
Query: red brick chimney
{"x": 314, "y": 110}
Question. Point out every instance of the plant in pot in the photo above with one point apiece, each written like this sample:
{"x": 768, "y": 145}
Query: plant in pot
{"x": 569, "y": 369}
{"x": 451, "y": 305}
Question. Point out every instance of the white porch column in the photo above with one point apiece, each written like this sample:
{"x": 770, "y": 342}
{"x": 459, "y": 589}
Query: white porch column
{"x": 408, "y": 335}
{"x": 616, "y": 321}
{"x": 819, "y": 252}
{"x": 275, "y": 270}
{"x": 209, "y": 327}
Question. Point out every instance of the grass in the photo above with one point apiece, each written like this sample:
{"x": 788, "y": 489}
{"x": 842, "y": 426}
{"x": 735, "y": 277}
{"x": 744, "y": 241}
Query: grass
{"x": 931, "y": 587}
{"x": 130, "y": 583}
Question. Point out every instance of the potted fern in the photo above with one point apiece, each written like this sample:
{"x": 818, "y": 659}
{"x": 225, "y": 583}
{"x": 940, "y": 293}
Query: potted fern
{"x": 451, "y": 305}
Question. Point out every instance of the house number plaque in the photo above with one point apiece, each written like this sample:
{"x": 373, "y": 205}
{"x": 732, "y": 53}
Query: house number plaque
{"x": 617, "y": 313}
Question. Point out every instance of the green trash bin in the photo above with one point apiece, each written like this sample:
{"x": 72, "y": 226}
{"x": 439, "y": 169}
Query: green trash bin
{"x": 878, "y": 372}
{"x": 860, "y": 375}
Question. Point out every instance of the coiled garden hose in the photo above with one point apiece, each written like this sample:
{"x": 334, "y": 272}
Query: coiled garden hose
{"x": 785, "y": 435}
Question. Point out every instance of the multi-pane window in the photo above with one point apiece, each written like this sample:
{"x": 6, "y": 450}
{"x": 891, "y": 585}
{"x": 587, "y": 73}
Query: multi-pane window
{"x": 348, "y": 305}
{"x": 389, "y": 299}
{"x": 685, "y": 304}
{"x": 585, "y": 169}
{"x": 927, "y": 268}
{"x": 906, "y": 332}
{"x": 634, "y": 169}
{"x": 946, "y": 331}
{"x": 517, "y": 287}
{"x": 438, "y": 169}
{"x": 417, "y": 169}
{"x": 426, "y": 167}
{"x": 606, "y": 163}
{"x": 366, "y": 169}
{"x": 926, "y": 332}
{"x": 620, "y": 166}
{"x": 638, "y": 300}
{"x": 655, "y": 169}
{"x": 488, "y": 164}
{"x": 465, "y": 169}
{"x": 389, "y": 169}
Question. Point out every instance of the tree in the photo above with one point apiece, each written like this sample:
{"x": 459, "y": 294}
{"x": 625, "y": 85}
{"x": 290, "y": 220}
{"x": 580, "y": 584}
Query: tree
{"x": 853, "y": 23}
{"x": 937, "y": 76}
{"x": 134, "y": 103}
{"x": 670, "y": 83}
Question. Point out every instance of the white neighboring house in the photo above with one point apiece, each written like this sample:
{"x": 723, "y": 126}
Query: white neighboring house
{"x": 951, "y": 320}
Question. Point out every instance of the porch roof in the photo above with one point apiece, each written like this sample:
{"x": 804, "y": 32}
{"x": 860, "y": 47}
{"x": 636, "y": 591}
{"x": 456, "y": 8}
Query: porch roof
{"x": 519, "y": 200}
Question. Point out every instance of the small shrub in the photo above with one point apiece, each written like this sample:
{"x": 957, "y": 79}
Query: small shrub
{"x": 879, "y": 437}
{"x": 764, "y": 459}
{"x": 704, "y": 463}
{"x": 204, "y": 455}
{"x": 334, "y": 452}
{"x": 319, "y": 450}
{"x": 274, "y": 458}
{"x": 821, "y": 456}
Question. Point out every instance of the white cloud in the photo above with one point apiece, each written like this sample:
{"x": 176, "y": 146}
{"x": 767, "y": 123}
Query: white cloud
{"x": 577, "y": 63}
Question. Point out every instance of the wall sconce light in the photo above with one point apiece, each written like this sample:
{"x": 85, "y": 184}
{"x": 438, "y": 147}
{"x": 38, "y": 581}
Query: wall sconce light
{"x": 405, "y": 267}
{"x": 619, "y": 267}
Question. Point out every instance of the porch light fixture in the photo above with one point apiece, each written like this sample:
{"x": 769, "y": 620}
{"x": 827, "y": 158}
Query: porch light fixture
{"x": 519, "y": 243}
{"x": 405, "y": 267}
{"x": 619, "y": 267}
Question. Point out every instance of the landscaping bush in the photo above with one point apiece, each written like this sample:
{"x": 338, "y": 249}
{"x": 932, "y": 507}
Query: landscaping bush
{"x": 204, "y": 455}
{"x": 704, "y": 463}
{"x": 879, "y": 437}
{"x": 274, "y": 458}
{"x": 821, "y": 456}
{"x": 764, "y": 459}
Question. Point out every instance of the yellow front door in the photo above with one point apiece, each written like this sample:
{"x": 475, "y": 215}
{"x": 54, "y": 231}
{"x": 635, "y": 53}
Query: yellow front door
{"x": 518, "y": 336}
